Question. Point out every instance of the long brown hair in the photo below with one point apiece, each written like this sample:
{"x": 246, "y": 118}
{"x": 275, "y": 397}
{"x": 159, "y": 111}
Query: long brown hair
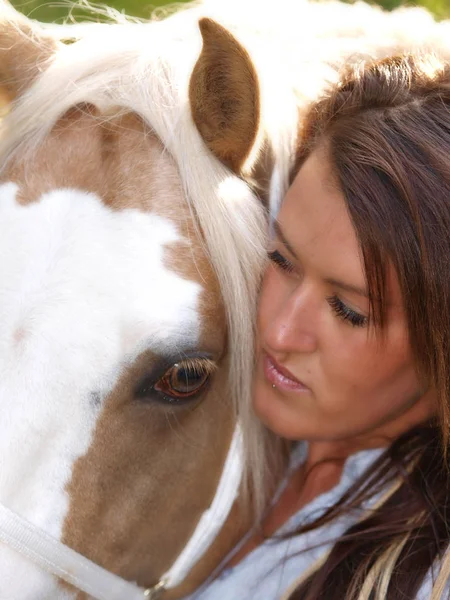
{"x": 386, "y": 131}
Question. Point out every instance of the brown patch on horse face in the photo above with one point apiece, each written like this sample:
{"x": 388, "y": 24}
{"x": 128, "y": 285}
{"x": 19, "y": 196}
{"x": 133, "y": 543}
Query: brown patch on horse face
{"x": 224, "y": 96}
{"x": 19, "y": 335}
{"x": 151, "y": 470}
{"x": 70, "y": 157}
{"x": 24, "y": 47}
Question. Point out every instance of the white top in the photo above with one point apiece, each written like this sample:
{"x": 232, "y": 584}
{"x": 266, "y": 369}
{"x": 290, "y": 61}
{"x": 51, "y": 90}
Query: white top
{"x": 269, "y": 571}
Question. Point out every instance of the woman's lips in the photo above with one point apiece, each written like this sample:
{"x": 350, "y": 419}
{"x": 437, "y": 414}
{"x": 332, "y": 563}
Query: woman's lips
{"x": 280, "y": 377}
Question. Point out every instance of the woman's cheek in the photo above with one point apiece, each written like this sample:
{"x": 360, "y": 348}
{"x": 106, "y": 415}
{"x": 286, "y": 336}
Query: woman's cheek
{"x": 270, "y": 298}
{"x": 348, "y": 361}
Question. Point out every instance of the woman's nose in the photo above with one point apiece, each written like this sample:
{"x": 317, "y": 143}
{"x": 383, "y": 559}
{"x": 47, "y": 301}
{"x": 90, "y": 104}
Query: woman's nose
{"x": 294, "y": 326}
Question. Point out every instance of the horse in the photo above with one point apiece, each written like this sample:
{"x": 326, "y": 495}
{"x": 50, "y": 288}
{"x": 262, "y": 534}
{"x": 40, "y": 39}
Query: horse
{"x": 140, "y": 163}
{"x": 130, "y": 261}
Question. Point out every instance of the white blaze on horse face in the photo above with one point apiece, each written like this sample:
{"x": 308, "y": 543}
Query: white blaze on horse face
{"x": 82, "y": 288}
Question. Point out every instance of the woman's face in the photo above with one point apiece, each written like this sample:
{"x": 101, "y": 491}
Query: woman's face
{"x": 322, "y": 373}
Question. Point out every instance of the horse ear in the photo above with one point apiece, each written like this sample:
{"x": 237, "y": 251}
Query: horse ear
{"x": 24, "y": 47}
{"x": 224, "y": 96}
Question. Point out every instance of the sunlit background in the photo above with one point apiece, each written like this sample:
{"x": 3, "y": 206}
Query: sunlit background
{"x": 58, "y": 11}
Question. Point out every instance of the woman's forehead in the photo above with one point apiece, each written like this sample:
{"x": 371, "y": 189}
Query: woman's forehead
{"x": 315, "y": 220}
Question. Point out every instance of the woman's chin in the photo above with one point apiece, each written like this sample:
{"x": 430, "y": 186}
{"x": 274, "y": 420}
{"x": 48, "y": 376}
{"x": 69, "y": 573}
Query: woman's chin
{"x": 272, "y": 411}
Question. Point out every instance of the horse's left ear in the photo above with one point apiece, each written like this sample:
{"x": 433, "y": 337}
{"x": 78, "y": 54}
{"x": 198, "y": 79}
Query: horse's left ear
{"x": 224, "y": 96}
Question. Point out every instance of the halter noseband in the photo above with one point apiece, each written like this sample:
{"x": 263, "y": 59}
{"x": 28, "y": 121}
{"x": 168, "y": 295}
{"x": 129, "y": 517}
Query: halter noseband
{"x": 61, "y": 561}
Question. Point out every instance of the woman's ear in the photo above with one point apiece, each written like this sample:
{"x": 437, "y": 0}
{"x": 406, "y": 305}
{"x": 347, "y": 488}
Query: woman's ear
{"x": 224, "y": 96}
{"x": 24, "y": 48}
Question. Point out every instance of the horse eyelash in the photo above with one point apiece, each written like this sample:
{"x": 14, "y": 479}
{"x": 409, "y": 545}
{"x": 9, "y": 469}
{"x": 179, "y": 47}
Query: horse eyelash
{"x": 346, "y": 313}
{"x": 199, "y": 365}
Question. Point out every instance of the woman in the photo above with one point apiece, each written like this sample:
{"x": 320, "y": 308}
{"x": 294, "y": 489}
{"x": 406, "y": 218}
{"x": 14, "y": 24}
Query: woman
{"x": 354, "y": 341}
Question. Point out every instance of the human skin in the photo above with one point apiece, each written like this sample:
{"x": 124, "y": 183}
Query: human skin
{"x": 324, "y": 373}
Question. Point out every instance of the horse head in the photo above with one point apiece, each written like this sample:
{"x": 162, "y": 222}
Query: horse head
{"x": 130, "y": 261}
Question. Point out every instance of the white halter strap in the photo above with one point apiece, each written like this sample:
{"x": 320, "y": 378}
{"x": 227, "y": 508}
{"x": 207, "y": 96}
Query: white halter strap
{"x": 63, "y": 562}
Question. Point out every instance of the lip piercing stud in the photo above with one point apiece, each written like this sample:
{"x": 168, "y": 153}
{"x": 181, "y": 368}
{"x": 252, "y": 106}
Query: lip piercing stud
{"x": 274, "y": 386}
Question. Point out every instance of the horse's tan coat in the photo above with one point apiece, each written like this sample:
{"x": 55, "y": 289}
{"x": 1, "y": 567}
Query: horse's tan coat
{"x": 110, "y": 518}
{"x": 131, "y": 459}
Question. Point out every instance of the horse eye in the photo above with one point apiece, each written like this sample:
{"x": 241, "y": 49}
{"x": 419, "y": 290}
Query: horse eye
{"x": 185, "y": 380}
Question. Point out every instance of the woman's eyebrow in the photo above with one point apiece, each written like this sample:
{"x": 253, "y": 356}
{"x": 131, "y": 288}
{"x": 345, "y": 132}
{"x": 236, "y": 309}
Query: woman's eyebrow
{"x": 280, "y": 234}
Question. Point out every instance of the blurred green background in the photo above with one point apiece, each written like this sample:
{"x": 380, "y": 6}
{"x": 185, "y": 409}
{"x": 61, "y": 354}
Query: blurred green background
{"x": 53, "y": 10}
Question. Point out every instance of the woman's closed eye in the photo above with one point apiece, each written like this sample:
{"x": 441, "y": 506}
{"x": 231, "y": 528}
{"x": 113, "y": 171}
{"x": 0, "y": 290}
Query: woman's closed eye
{"x": 339, "y": 307}
{"x": 346, "y": 313}
{"x": 281, "y": 261}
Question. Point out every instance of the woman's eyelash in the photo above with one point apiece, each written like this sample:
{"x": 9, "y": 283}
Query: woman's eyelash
{"x": 346, "y": 313}
{"x": 281, "y": 261}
